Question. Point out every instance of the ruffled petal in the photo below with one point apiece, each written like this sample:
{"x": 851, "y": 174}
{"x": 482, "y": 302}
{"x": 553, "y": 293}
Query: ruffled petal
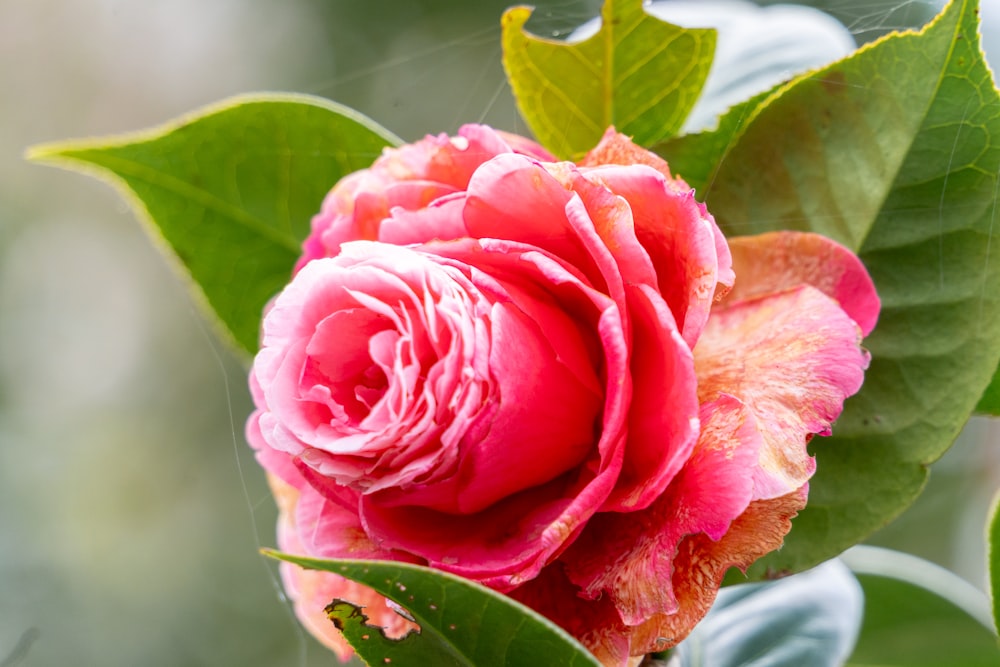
{"x": 792, "y": 357}
{"x": 682, "y": 241}
{"x": 629, "y": 557}
{"x": 502, "y": 546}
{"x": 701, "y": 563}
{"x": 615, "y": 148}
{"x": 777, "y": 261}
{"x": 516, "y": 199}
{"x": 663, "y": 422}
{"x": 513, "y": 538}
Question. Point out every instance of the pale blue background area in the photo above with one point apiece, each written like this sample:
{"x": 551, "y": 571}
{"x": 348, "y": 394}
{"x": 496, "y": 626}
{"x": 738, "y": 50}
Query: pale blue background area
{"x": 130, "y": 509}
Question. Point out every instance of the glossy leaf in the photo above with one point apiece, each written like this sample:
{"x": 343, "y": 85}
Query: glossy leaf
{"x": 459, "y": 620}
{"x": 918, "y": 614}
{"x": 231, "y": 189}
{"x": 372, "y": 646}
{"x": 637, "y": 73}
{"x": 810, "y": 618}
{"x": 894, "y": 152}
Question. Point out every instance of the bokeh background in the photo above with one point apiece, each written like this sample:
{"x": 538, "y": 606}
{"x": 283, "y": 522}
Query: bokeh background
{"x": 131, "y": 510}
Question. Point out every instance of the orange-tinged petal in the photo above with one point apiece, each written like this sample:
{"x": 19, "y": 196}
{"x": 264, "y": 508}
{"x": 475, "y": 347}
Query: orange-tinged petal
{"x": 615, "y": 148}
{"x": 792, "y": 357}
{"x": 781, "y": 260}
{"x": 629, "y": 557}
{"x": 701, "y": 563}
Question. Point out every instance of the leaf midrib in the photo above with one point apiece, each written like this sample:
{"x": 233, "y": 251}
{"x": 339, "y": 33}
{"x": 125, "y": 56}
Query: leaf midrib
{"x": 125, "y": 169}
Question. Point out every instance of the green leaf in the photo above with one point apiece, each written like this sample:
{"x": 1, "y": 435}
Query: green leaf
{"x": 989, "y": 404}
{"x": 461, "y": 622}
{"x": 698, "y": 157}
{"x": 918, "y": 614}
{"x": 371, "y": 644}
{"x": 895, "y": 152}
{"x": 637, "y": 73}
{"x": 993, "y": 558}
{"x": 232, "y": 188}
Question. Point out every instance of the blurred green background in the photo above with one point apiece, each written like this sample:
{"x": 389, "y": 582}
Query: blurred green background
{"x": 131, "y": 510}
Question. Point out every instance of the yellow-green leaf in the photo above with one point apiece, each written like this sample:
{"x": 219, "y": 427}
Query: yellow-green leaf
{"x": 637, "y": 73}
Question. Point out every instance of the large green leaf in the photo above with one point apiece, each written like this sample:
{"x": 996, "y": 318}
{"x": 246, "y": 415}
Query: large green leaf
{"x": 918, "y": 614}
{"x": 893, "y": 151}
{"x": 461, "y": 622}
{"x": 637, "y": 73}
{"x": 698, "y": 157}
{"x": 231, "y": 189}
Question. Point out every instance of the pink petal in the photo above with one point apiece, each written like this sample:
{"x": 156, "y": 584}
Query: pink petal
{"x": 512, "y": 539}
{"x": 410, "y": 177}
{"x": 779, "y": 260}
{"x": 523, "y": 145}
{"x": 275, "y": 462}
{"x": 502, "y": 546}
{"x": 616, "y": 148}
{"x": 629, "y": 557}
{"x": 513, "y": 198}
{"x": 792, "y": 357}
{"x": 681, "y": 238}
{"x": 545, "y": 424}
{"x": 438, "y": 221}
{"x": 663, "y": 417}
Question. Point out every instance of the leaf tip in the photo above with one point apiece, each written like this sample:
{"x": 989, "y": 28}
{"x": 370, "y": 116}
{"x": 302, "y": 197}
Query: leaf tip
{"x": 43, "y": 153}
{"x": 515, "y": 17}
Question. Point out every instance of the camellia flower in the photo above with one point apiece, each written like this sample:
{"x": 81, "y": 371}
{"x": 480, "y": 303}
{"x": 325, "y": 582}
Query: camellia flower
{"x": 557, "y": 379}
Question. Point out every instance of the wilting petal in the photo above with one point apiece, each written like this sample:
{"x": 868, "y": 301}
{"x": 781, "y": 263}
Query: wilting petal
{"x": 792, "y": 358}
{"x": 701, "y": 563}
{"x": 781, "y": 260}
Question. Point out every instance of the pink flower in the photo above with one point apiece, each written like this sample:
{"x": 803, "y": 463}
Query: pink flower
{"x": 559, "y": 380}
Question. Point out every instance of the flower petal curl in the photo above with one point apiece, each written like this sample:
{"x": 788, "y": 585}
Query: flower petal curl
{"x": 792, "y": 357}
{"x": 776, "y": 261}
